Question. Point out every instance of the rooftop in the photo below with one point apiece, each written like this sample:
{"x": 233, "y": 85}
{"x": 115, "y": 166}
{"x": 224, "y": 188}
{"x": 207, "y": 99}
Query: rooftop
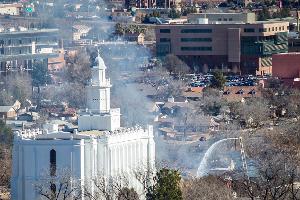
{"x": 26, "y": 31}
{"x": 18, "y": 5}
{"x": 5, "y": 108}
{"x": 30, "y": 134}
{"x": 93, "y": 133}
{"x": 227, "y": 23}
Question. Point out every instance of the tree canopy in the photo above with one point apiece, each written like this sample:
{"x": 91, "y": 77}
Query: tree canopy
{"x": 218, "y": 80}
{"x": 174, "y": 65}
{"x": 167, "y": 186}
{"x": 6, "y": 134}
{"x": 173, "y": 13}
{"x": 40, "y": 75}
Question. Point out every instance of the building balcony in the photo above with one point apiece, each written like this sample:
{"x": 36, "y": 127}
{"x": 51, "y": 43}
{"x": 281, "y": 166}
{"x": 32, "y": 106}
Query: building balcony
{"x": 4, "y": 58}
{"x": 30, "y": 44}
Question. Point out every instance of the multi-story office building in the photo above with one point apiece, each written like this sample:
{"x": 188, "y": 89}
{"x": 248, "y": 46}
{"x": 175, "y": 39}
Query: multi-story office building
{"x": 20, "y": 48}
{"x": 230, "y": 47}
{"x": 245, "y": 17}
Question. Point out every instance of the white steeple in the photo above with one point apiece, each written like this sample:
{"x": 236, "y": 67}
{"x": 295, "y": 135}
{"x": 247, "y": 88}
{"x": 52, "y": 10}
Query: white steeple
{"x": 98, "y": 92}
{"x": 98, "y": 72}
{"x": 99, "y": 115}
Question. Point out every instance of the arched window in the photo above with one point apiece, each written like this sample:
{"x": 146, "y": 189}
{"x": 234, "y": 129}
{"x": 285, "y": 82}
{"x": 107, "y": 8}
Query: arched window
{"x": 52, "y": 162}
{"x": 53, "y": 188}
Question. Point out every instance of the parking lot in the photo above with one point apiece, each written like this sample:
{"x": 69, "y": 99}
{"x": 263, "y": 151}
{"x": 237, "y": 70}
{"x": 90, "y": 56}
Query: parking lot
{"x": 199, "y": 80}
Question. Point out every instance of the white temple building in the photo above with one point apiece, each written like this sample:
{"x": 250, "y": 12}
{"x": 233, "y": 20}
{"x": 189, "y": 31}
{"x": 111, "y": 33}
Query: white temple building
{"x": 100, "y": 147}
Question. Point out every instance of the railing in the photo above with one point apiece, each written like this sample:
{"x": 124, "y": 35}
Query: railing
{"x": 29, "y": 133}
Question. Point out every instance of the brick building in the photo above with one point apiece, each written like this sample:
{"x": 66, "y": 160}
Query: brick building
{"x": 287, "y": 68}
{"x": 227, "y": 46}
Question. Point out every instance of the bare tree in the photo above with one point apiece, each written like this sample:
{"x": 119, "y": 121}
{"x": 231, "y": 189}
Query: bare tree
{"x": 102, "y": 189}
{"x": 78, "y": 68}
{"x": 278, "y": 96}
{"x": 253, "y": 112}
{"x": 174, "y": 65}
{"x": 145, "y": 176}
{"x": 5, "y": 98}
{"x": 71, "y": 93}
{"x": 276, "y": 162}
{"x": 61, "y": 186}
{"x": 212, "y": 102}
{"x": 275, "y": 180}
{"x": 207, "y": 188}
{"x": 5, "y": 166}
{"x": 128, "y": 194}
{"x": 108, "y": 188}
{"x": 165, "y": 83}
{"x": 19, "y": 86}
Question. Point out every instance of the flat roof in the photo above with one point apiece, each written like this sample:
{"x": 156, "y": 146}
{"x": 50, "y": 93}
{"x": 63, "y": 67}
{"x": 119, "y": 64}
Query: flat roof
{"x": 3, "y": 5}
{"x": 5, "y": 108}
{"x": 220, "y": 13}
{"x": 288, "y": 53}
{"x": 29, "y": 31}
{"x": 227, "y": 23}
{"x": 93, "y": 133}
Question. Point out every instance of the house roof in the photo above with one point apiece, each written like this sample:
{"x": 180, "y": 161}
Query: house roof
{"x": 82, "y": 28}
{"x": 237, "y": 93}
{"x": 174, "y": 104}
{"x": 4, "y": 109}
{"x": 17, "y": 5}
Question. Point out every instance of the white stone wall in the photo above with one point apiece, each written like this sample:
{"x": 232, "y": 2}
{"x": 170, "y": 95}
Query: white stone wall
{"x": 98, "y": 99}
{"x": 31, "y": 162}
{"x": 98, "y": 122}
{"x": 86, "y": 157}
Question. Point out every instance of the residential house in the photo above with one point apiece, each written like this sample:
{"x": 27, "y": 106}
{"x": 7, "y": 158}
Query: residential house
{"x": 9, "y": 112}
{"x": 10, "y": 9}
{"x": 80, "y": 31}
{"x": 240, "y": 93}
{"x": 135, "y": 37}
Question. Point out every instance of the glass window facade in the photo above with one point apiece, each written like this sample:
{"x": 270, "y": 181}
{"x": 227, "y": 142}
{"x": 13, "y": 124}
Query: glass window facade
{"x": 196, "y": 48}
{"x": 165, "y": 31}
{"x": 196, "y": 31}
{"x": 249, "y": 30}
{"x": 165, "y": 39}
{"x": 263, "y": 30}
{"x": 196, "y": 39}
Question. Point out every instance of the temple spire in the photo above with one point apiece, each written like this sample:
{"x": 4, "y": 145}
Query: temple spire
{"x": 98, "y": 95}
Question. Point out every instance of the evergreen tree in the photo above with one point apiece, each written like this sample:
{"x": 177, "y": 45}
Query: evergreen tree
{"x": 174, "y": 13}
{"x": 166, "y": 187}
{"x": 6, "y": 135}
{"x": 146, "y": 19}
{"x": 263, "y": 14}
{"x": 218, "y": 80}
{"x": 40, "y": 75}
